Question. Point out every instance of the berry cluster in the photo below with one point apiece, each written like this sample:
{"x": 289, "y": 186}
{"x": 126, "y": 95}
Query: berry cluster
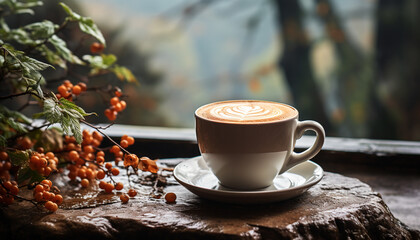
{"x": 43, "y": 194}
{"x": 67, "y": 90}
{"x": 5, "y": 166}
{"x": 43, "y": 163}
{"x": 8, "y": 191}
{"x": 117, "y": 106}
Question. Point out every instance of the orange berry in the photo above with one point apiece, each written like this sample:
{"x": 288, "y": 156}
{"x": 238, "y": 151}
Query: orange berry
{"x": 97, "y": 136}
{"x": 50, "y": 155}
{"x": 96, "y": 47}
{"x": 84, "y": 183}
{"x": 72, "y": 175}
{"x": 39, "y": 188}
{"x": 47, "y": 171}
{"x": 7, "y": 185}
{"x": 109, "y": 187}
{"x": 46, "y": 195}
{"x": 124, "y": 143}
{"x": 7, "y": 166}
{"x": 88, "y": 149}
{"x": 76, "y": 90}
{"x": 62, "y": 90}
{"x": 90, "y": 174}
{"x": 118, "y": 107}
{"x": 100, "y": 174}
{"x": 132, "y": 192}
{"x": 102, "y": 184}
{"x": 51, "y": 206}
{"x": 119, "y": 154}
{"x": 170, "y": 197}
{"x": 108, "y": 166}
{"x": 114, "y": 101}
{"x": 58, "y": 199}
{"x": 67, "y": 83}
{"x": 115, "y": 171}
{"x": 81, "y": 173}
{"x": 4, "y": 156}
{"x": 73, "y": 155}
{"x": 114, "y": 149}
{"x": 118, "y": 92}
{"x": 119, "y": 186}
{"x": 100, "y": 160}
{"x": 47, "y": 182}
{"x": 130, "y": 140}
{"x": 124, "y": 198}
{"x": 83, "y": 86}
{"x": 39, "y": 196}
{"x": 123, "y": 104}
{"x": 100, "y": 154}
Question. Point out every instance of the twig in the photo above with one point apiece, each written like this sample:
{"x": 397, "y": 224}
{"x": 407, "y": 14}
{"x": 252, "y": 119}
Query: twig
{"x": 105, "y": 135}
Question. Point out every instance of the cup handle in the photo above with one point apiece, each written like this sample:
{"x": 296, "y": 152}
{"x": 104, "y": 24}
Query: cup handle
{"x": 296, "y": 158}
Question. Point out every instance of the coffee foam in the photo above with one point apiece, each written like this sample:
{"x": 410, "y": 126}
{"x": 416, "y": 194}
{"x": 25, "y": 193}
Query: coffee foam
{"x": 246, "y": 111}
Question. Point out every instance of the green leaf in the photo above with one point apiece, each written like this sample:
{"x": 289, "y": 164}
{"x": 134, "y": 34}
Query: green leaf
{"x": 52, "y": 57}
{"x": 86, "y": 24}
{"x": 108, "y": 59}
{"x": 70, "y": 105}
{"x": 24, "y": 174}
{"x": 73, "y": 16}
{"x": 61, "y": 47}
{"x": 3, "y": 141}
{"x": 18, "y": 158}
{"x": 124, "y": 73}
{"x": 31, "y": 64}
{"x": 41, "y": 30}
{"x": 67, "y": 114}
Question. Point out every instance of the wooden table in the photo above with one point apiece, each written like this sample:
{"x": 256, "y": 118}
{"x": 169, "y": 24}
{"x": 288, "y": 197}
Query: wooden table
{"x": 337, "y": 207}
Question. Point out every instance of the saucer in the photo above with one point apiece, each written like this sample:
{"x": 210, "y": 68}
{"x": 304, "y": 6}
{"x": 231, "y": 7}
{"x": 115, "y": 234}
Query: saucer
{"x": 194, "y": 175}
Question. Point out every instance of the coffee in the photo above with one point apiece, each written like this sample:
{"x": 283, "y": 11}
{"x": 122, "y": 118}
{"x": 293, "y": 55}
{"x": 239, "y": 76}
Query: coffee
{"x": 246, "y": 111}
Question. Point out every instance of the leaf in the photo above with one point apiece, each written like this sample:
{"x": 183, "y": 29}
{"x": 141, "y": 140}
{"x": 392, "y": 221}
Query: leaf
{"x": 101, "y": 62}
{"x": 124, "y": 73}
{"x": 70, "y": 105}
{"x": 62, "y": 50}
{"x": 67, "y": 114}
{"x": 31, "y": 64}
{"x": 86, "y": 24}
{"x": 52, "y": 57}
{"x": 89, "y": 27}
{"x": 18, "y": 158}
{"x": 24, "y": 174}
{"x": 3, "y": 141}
{"x": 41, "y": 30}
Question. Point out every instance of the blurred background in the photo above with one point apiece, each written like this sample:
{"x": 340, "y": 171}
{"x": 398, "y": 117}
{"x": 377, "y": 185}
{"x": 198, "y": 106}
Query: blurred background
{"x": 353, "y": 66}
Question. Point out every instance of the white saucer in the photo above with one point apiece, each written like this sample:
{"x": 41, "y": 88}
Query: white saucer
{"x": 194, "y": 175}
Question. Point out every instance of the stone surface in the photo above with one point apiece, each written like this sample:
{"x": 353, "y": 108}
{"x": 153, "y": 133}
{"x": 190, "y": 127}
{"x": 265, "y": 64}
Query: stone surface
{"x": 337, "y": 208}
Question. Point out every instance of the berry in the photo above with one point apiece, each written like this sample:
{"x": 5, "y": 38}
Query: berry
{"x": 84, "y": 183}
{"x": 102, "y": 184}
{"x": 114, "y": 101}
{"x": 170, "y": 197}
{"x": 100, "y": 174}
{"x": 130, "y": 140}
{"x": 132, "y": 193}
{"x": 109, "y": 187}
{"x": 96, "y": 47}
{"x": 4, "y": 156}
{"x": 58, "y": 199}
{"x": 76, "y": 90}
{"x": 124, "y": 143}
{"x": 51, "y": 206}
{"x": 119, "y": 186}
{"x": 115, "y": 171}
{"x": 47, "y": 182}
{"x": 124, "y": 198}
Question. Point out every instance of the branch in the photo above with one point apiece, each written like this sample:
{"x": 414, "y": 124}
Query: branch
{"x": 20, "y": 94}
{"x": 105, "y": 135}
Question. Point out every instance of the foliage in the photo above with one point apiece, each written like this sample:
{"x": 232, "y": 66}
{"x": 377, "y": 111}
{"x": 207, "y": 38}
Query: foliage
{"x": 30, "y": 149}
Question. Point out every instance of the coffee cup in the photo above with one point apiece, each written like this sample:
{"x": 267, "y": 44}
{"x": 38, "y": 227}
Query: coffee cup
{"x": 247, "y": 143}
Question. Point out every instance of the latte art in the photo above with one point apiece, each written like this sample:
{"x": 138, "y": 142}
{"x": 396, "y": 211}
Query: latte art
{"x": 246, "y": 111}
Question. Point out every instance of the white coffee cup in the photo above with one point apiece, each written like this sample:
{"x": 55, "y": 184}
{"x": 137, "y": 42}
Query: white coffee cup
{"x": 247, "y": 143}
